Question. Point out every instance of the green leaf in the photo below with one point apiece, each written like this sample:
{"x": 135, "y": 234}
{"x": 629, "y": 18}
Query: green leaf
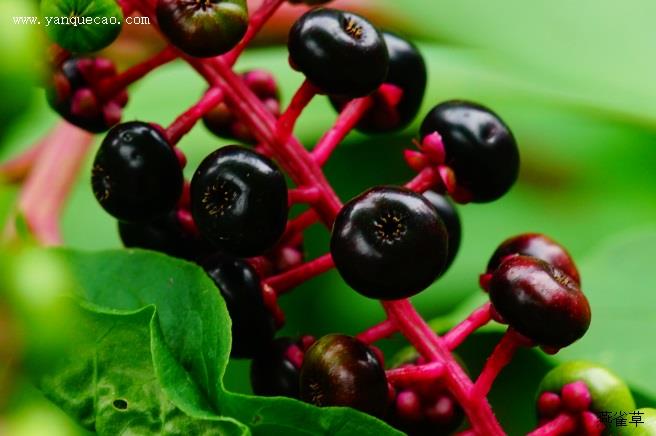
{"x": 190, "y": 356}
{"x": 120, "y": 378}
{"x": 82, "y": 26}
{"x": 620, "y": 285}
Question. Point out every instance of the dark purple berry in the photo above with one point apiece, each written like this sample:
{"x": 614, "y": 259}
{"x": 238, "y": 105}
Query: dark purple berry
{"x": 407, "y": 71}
{"x": 535, "y": 245}
{"x": 163, "y": 234}
{"x": 480, "y": 148}
{"x": 339, "y": 52}
{"x": 389, "y": 243}
{"x": 252, "y": 324}
{"x": 136, "y": 175}
{"x": 449, "y": 214}
{"x": 539, "y": 301}
{"x": 239, "y": 201}
{"x": 272, "y": 371}
{"x": 340, "y": 370}
{"x": 203, "y": 28}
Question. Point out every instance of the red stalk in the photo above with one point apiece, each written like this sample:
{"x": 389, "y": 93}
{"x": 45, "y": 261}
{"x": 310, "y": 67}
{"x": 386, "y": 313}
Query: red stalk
{"x": 300, "y": 274}
{"x": 460, "y": 332}
{"x": 416, "y": 374}
{"x": 185, "y": 122}
{"x": 560, "y": 425}
{"x": 380, "y": 331}
{"x": 287, "y": 120}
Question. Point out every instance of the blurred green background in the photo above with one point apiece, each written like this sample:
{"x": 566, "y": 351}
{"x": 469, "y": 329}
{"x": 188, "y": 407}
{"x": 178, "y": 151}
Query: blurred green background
{"x": 574, "y": 80}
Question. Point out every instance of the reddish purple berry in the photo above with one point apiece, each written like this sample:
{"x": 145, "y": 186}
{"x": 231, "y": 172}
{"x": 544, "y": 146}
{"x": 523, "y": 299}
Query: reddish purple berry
{"x": 540, "y": 301}
{"x": 535, "y": 245}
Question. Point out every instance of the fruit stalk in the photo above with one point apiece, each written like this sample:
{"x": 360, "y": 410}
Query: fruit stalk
{"x": 108, "y": 88}
{"x": 478, "y": 318}
{"x": 300, "y": 100}
{"x": 560, "y": 425}
{"x": 347, "y": 120}
{"x": 427, "y": 373}
{"x": 380, "y": 331}
{"x": 282, "y": 283}
{"x": 185, "y": 122}
{"x": 499, "y": 359}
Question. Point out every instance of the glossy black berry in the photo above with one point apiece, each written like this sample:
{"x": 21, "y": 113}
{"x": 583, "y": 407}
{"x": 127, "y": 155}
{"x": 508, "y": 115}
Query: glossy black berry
{"x": 272, "y": 371}
{"x": 339, "y": 370}
{"x": 479, "y": 147}
{"x": 239, "y": 201}
{"x": 136, "y": 175}
{"x": 389, "y": 243}
{"x": 539, "y": 301}
{"x": 252, "y": 325}
{"x": 203, "y": 28}
{"x": 407, "y": 71}
{"x": 536, "y": 245}
{"x": 163, "y": 234}
{"x": 449, "y": 214}
{"x": 339, "y": 52}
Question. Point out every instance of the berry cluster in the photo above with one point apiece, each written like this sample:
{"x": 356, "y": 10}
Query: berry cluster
{"x": 388, "y": 243}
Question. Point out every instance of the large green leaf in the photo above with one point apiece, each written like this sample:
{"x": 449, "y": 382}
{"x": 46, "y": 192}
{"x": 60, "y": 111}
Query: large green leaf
{"x": 174, "y": 323}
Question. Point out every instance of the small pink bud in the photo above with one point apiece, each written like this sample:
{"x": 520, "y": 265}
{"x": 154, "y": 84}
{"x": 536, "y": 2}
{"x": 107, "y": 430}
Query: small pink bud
{"x": 576, "y": 396}
{"x": 549, "y": 405}
{"x": 484, "y": 281}
{"x": 112, "y": 113}
{"x": 262, "y": 83}
{"x": 592, "y": 424}
{"x": 307, "y": 341}
{"x": 84, "y": 104}
{"x": 104, "y": 68}
{"x": 448, "y": 178}
{"x": 390, "y": 94}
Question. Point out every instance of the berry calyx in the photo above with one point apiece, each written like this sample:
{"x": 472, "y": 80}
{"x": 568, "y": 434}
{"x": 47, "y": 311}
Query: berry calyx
{"x": 273, "y": 373}
{"x": 203, "y": 28}
{"x": 72, "y": 95}
{"x": 339, "y": 52}
{"x": 607, "y": 391}
{"x": 339, "y": 370}
{"x": 535, "y": 245}
{"x": 480, "y": 148}
{"x": 539, "y": 301}
{"x": 239, "y": 201}
{"x": 449, "y": 215}
{"x": 136, "y": 175}
{"x": 407, "y": 72}
{"x": 389, "y": 243}
{"x": 252, "y": 325}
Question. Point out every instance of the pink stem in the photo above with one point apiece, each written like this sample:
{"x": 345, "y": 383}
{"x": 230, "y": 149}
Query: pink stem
{"x": 380, "y": 331}
{"x": 459, "y": 333}
{"x": 257, "y": 20}
{"x": 499, "y": 359}
{"x": 287, "y": 120}
{"x": 416, "y": 374}
{"x": 185, "y": 122}
{"x": 431, "y": 346}
{"x": 18, "y": 168}
{"x": 51, "y": 180}
{"x": 297, "y": 225}
{"x": 560, "y": 425}
{"x": 427, "y": 179}
{"x": 304, "y": 195}
{"x": 304, "y": 171}
{"x": 300, "y": 274}
{"x": 108, "y": 88}
{"x": 348, "y": 118}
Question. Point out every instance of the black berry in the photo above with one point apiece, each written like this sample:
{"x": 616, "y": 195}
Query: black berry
{"x": 539, "y": 301}
{"x": 389, "y": 243}
{"x": 163, "y": 234}
{"x": 449, "y": 215}
{"x": 252, "y": 325}
{"x": 272, "y": 371}
{"x": 136, "y": 175}
{"x": 239, "y": 201}
{"x": 479, "y": 147}
{"x": 203, "y": 28}
{"x": 407, "y": 71}
{"x": 536, "y": 245}
{"x": 339, "y": 370}
{"x": 339, "y": 52}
